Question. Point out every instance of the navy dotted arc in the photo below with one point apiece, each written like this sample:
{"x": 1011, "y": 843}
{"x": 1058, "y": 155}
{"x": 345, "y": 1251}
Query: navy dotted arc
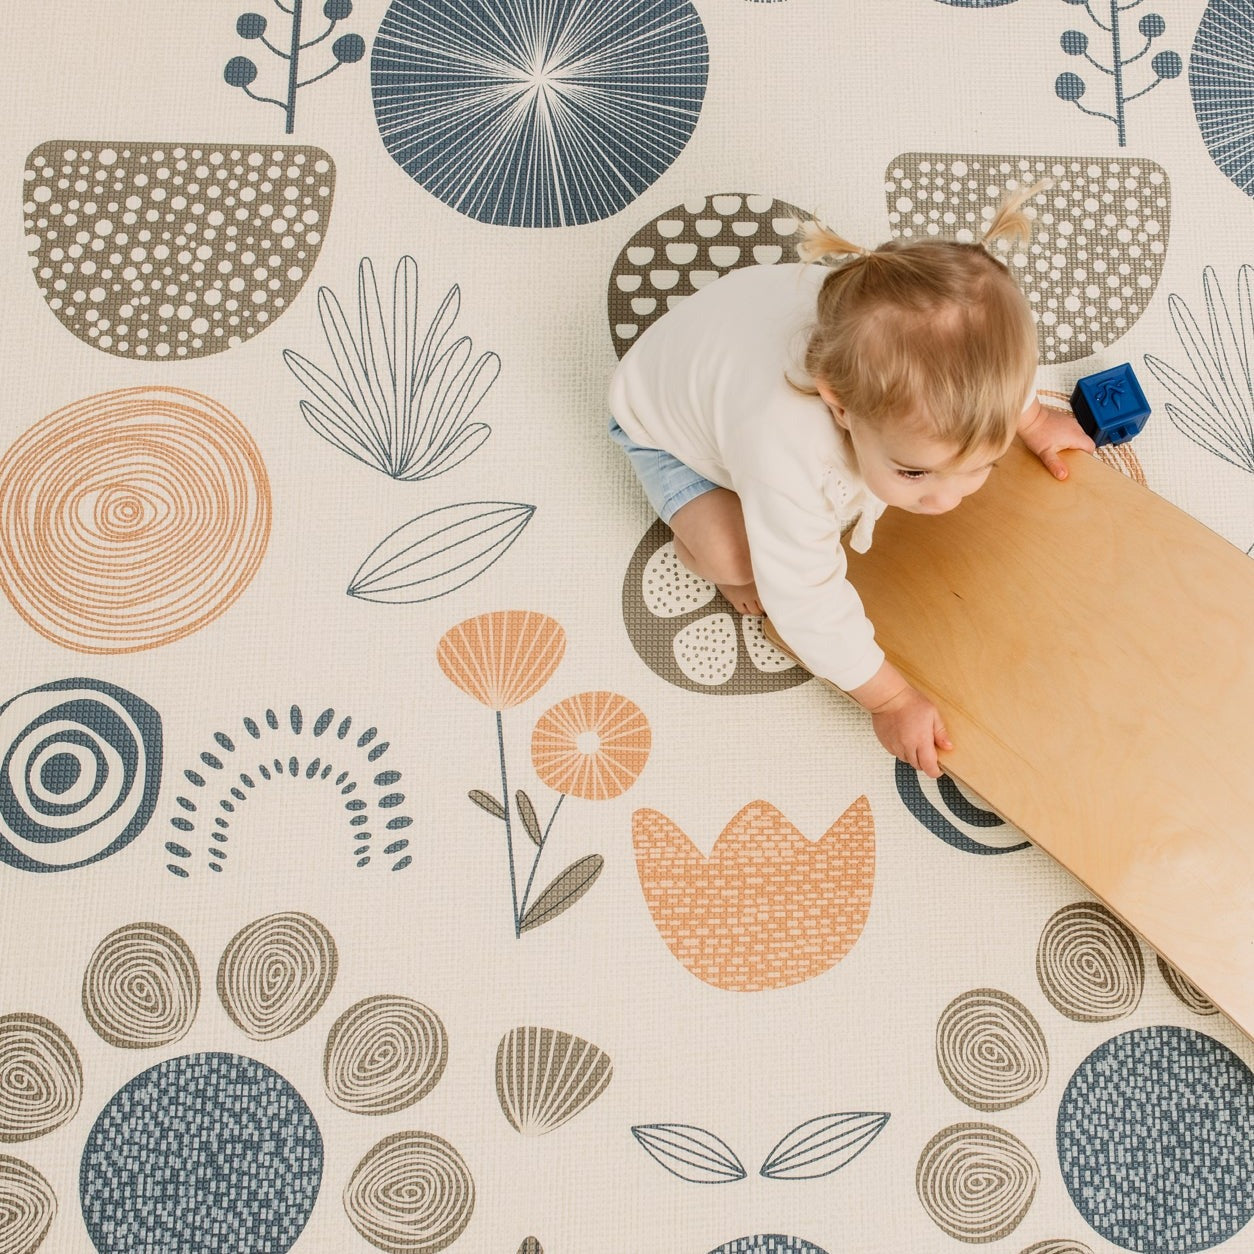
{"x": 310, "y": 769}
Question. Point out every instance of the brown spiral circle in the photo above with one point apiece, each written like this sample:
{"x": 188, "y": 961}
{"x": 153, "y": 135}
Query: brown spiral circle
{"x": 41, "y": 1077}
{"x": 1089, "y": 964}
{"x": 1185, "y": 990}
{"x": 276, "y": 973}
{"x": 976, "y": 1181}
{"x": 411, "y": 1194}
{"x": 1060, "y": 1246}
{"x": 131, "y": 519}
{"x": 141, "y": 987}
{"x": 990, "y": 1050}
{"x": 27, "y": 1206}
{"x": 384, "y": 1054}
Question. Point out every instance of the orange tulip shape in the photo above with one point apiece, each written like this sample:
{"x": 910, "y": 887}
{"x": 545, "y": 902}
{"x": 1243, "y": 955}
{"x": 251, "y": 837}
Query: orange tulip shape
{"x": 767, "y": 908}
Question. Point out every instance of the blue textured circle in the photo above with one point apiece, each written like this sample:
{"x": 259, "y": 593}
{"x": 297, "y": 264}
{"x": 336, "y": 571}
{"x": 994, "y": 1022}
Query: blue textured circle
{"x": 212, "y": 1153}
{"x": 1156, "y": 1141}
{"x": 538, "y": 112}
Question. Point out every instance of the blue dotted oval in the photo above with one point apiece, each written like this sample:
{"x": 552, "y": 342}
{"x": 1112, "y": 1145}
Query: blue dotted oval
{"x": 1156, "y": 1140}
{"x": 211, "y": 1152}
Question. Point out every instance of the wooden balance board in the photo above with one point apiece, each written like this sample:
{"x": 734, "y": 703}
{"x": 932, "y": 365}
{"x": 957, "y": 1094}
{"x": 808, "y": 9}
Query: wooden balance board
{"x": 1091, "y": 649}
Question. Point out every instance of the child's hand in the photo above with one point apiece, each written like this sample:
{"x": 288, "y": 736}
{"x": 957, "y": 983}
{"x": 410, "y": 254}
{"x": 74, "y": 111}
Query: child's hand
{"x": 909, "y": 726}
{"x": 1047, "y": 431}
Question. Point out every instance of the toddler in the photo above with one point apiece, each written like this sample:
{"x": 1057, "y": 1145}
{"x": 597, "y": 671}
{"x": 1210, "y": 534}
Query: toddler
{"x": 780, "y": 406}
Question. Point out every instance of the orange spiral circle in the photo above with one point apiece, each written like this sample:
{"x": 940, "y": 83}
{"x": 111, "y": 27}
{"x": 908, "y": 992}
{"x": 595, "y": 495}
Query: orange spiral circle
{"x": 131, "y": 519}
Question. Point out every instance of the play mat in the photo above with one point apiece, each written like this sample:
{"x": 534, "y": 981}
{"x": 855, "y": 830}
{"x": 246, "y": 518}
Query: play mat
{"x": 398, "y": 849}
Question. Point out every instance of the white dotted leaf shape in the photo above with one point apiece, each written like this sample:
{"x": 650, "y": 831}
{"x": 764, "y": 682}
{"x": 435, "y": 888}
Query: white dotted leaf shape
{"x": 686, "y": 632}
{"x": 706, "y": 650}
{"x": 670, "y": 588}
{"x": 762, "y": 653}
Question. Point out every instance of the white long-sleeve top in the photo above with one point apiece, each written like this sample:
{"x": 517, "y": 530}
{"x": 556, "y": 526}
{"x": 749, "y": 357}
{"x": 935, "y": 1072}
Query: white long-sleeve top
{"x": 706, "y": 382}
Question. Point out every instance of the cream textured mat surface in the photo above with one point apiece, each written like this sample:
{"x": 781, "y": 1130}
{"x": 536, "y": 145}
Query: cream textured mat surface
{"x": 397, "y": 849}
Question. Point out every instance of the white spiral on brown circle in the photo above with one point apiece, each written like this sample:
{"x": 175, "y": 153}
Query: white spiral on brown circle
{"x": 411, "y": 1194}
{"x": 1089, "y": 964}
{"x": 41, "y": 1077}
{"x": 276, "y": 973}
{"x": 384, "y": 1054}
{"x": 990, "y": 1050}
{"x": 141, "y": 987}
{"x": 976, "y": 1181}
{"x": 27, "y": 1206}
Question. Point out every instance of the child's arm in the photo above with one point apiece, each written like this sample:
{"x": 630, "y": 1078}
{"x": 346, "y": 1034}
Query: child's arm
{"x": 907, "y": 724}
{"x": 1047, "y": 431}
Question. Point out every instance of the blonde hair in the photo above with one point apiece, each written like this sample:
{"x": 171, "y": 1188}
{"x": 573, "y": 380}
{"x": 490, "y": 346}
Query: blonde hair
{"x": 931, "y": 331}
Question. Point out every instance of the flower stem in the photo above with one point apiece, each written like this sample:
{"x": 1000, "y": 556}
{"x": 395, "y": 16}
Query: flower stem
{"x": 509, "y": 832}
{"x": 535, "y": 862}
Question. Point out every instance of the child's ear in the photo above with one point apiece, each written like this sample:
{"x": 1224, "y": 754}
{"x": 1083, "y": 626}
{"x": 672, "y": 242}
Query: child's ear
{"x": 833, "y": 402}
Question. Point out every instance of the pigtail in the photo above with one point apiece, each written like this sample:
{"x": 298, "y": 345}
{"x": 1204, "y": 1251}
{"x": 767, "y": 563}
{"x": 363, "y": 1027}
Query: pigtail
{"x": 1011, "y": 220}
{"x": 819, "y": 243}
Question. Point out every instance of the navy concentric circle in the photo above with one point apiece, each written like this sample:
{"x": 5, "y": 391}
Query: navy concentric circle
{"x": 215, "y": 1153}
{"x": 538, "y": 112}
{"x": 1156, "y": 1141}
{"x": 80, "y": 771}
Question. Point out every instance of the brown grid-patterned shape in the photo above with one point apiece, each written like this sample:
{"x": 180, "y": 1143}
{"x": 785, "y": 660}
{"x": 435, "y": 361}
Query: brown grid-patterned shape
{"x": 169, "y": 251}
{"x": 1098, "y": 242}
{"x": 689, "y": 246}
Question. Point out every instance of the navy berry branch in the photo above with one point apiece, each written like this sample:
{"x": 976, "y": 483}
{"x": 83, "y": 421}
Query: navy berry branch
{"x": 1075, "y": 43}
{"x": 241, "y": 72}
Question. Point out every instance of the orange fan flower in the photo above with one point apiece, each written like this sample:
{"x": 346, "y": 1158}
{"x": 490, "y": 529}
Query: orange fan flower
{"x": 592, "y": 745}
{"x": 502, "y": 658}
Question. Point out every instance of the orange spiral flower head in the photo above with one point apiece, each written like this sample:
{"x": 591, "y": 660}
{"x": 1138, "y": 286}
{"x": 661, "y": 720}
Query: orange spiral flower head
{"x": 502, "y": 658}
{"x": 592, "y": 745}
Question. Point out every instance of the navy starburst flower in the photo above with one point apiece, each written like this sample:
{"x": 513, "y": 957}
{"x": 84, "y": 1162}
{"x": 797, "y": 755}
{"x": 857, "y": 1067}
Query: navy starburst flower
{"x": 538, "y": 112}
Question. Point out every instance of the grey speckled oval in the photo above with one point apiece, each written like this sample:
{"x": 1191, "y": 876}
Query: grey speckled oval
{"x": 1098, "y": 242}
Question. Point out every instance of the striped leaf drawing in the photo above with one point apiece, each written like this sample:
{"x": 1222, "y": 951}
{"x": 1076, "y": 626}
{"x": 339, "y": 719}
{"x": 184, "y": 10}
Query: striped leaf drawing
{"x": 563, "y": 892}
{"x": 821, "y": 1146}
{"x": 398, "y": 405}
{"x": 1214, "y": 405}
{"x": 440, "y": 551}
{"x": 690, "y": 1153}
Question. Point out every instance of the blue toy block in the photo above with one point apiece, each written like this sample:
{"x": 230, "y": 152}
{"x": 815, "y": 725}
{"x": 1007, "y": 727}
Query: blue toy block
{"x": 1110, "y": 405}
